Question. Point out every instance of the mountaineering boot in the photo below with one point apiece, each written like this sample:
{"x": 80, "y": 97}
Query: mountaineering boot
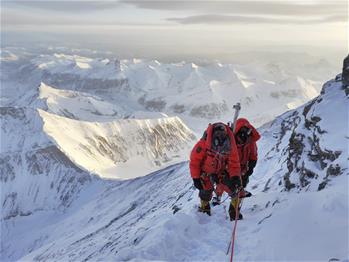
{"x": 205, "y": 207}
{"x": 216, "y": 200}
{"x": 232, "y": 209}
{"x": 232, "y": 213}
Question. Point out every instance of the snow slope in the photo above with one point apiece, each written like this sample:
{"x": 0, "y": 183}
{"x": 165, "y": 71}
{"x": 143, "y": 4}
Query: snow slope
{"x": 120, "y": 149}
{"x": 158, "y": 221}
{"x": 289, "y": 218}
{"x": 34, "y": 174}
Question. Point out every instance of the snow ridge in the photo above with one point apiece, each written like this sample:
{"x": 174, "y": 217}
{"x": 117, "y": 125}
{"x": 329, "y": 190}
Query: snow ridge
{"x": 120, "y": 149}
{"x": 307, "y": 143}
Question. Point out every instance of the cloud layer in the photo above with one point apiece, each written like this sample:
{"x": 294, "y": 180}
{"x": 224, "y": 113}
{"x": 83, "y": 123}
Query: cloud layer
{"x": 63, "y": 6}
{"x": 280, "y": 7}
{"x": 236, "y": 19}
{"x": 176, "y": 11}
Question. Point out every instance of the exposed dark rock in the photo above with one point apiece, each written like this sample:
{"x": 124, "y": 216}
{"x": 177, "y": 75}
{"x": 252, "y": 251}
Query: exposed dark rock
{"x": 7, "y": 172}
{"x": 322, "y": 185}
{"x": 156, "y": 104}
{"x": 305, "y": 176}
{"x": 16, "y": 113}
{"x": 317, "y": 154}
{"x": 288, "y": 184}
{"x": 209, "y": 110}
{"x": 175, "y": 209}
{"x": 312, "y": 122}
{"x": 308, "y": 107}
{"x": 333, "y": 170}
{"x": 178, "y": 108}
{"x": 345, "y": 72}
{"x": 266, "y": 187}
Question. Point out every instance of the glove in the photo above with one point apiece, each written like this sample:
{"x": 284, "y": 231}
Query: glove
{"x": 197, "y": 183}
{"x": 236, "y": 181}
{"x": 251, "y": 166}
{"x": 232, "y": 182}
{"x": 245, "y": 180}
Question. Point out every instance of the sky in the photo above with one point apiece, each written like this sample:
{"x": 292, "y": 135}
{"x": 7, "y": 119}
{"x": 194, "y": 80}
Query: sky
{"x": 181, "y": 28}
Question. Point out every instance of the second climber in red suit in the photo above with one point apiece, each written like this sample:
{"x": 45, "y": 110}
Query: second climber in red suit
{"x": 215, "y": 157}
{"x": 246, "y": 137}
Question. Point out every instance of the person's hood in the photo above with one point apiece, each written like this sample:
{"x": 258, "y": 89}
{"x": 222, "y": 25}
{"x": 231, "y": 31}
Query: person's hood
{"x": 241, "y": 122}
{"x": 209, "y": 133}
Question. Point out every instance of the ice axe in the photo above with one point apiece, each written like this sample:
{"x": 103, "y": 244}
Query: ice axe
{"x": 237, "y": 108}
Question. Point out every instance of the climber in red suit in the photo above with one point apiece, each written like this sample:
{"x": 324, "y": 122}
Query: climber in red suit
{"x": 246, "y": 137}
{"x": 215, "y": 158}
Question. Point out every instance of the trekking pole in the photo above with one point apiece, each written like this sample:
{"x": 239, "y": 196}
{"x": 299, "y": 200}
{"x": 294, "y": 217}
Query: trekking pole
{"x": 237, "y": 108}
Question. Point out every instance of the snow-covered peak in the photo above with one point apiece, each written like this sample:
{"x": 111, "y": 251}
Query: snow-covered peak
{"x": 77, "y": 65}
{"x": 197, "y": 92}
{"x": 79, "y": 105}
{"x": 7, "y": 55}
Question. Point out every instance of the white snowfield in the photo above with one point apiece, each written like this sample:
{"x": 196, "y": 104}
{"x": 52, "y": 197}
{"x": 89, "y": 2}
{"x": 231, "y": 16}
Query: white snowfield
{"x": 106, "y": 88}
{"x": 80, "y": 137}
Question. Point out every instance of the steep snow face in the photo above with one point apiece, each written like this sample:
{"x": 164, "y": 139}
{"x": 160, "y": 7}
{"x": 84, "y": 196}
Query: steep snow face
{"x": 121, "y": 149}
{"x": 34, "y": 174}
{"x": 158, "y": 220}
{"x": 198, "y": 93}
{"x": 306, "y": 148}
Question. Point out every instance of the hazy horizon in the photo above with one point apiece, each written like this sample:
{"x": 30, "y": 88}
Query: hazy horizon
{"x": 181, "y": 30}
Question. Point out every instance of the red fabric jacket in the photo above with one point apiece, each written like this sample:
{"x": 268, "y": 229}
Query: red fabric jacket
{"x": 247, "y": 151}
{"x": 203, "y": 160}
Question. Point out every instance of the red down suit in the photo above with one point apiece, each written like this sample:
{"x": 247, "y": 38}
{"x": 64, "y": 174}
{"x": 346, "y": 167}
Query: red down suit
{"x": 247, "y": 151}
{"x": 205, "y": 161}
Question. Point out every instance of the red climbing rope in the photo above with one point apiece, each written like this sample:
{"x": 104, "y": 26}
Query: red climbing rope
{"x": 234, "y": 229}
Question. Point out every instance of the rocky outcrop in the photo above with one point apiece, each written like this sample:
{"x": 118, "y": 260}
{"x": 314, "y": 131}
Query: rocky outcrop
{"x": 345, "y": 72}
{"x": 302, "y": 144}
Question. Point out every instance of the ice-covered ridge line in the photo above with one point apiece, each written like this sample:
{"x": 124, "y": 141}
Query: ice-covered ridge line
{"x": 79, "y": 105}
{"x": 123, "y": 148}
{"x": 306, "y": 148}
{"x": 197, "y": 93}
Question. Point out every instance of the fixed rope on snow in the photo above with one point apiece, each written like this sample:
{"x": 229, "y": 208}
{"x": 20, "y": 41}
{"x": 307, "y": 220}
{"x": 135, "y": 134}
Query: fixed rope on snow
{"x": 232, "y": 240}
